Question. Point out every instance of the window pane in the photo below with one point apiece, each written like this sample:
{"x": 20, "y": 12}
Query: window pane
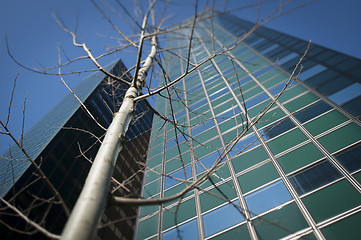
{"x": 332, "y": 200}
{"x": 249, "y": 159}
{"x": 311, "y": 72}
{"x": 209, "y": 201}
{"x": 240, "y": 232}
{"x": 344, "y": 229}
{"x": 148, "y": 227}
{"x": 301, "y": 101}
{"x": 257, "y": 177}
{"x": 280, "y": 223}
{"x": 177, "y": 176}
{"x": 325, "y": 122}
{"x": 267, "y": 198}
{"x": 299, "y": 157}
{"x": 286, "y": 141}
{"x": 350, "y": 158}
{"x": 346, "y": 94}
{"x": 188, "y": 230}
{"x": 222, "y": 218}
{"x": 179, "y": 213}
{"x": 276, "y": 129}
{"x": 312, "y": 111}
{"x": 341, "y": 137}
{"x": 313, "y": 177}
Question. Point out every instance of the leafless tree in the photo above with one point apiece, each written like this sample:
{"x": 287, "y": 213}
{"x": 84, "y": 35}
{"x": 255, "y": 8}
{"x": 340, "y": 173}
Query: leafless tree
{"x": 151, "y": 57}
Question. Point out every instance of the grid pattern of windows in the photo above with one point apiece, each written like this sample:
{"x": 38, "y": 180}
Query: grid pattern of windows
{"x": 295, "y": 172}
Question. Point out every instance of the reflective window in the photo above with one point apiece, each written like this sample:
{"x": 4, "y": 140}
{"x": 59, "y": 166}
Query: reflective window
{"x": 188, "y": 230}
{"x": 267, "y": 198}
{"x": 314, "y": 177}
{"x": 262, "y": 71}
{"x": 222, "y": 218}
{"x": 256, "y": 100}
{"x": 276, "y": 128}
{"x": 286, "y": 58}
{"x": 202, "y": 127}
{"x": 272, "y": 47}
{"x": 311, "y": 72}
{"x": 245, "y": 143}
{"x": 346, "y": 94}
{"x": 206, "y": 162}
{"x": 177, "y": 176}
{"x": 350, "y": 158}
{"x": 312, "y": 111}
{"x": 334, "y": 85}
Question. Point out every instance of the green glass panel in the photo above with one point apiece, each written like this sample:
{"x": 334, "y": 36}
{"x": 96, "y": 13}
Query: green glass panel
{"x": 301, "y": 102}
{"x": 228, "y": 124}
{"x": 275, "y": 80}
{"x": 257, "y": 177}
{"x": 251, "y": 93}
{"x": 179, "y": 213}
{"x": 292, "y": 92}
{"x": 344, "y": 229}
{"x": 152, "y": 162}
{"x": 230, "y": 136}
{"x": 246, "y": 87}
{"x": 269, "y": 75}
{"x": 341, "y": 137}
{"x": 156, "y": 150}
{"x": 257, "y": 109}
{"x": 358, "y": 176}
{"x": 145, "y": 210}
{"x": 332, "y": 200}
{"x": 286, "y": 141}
{"x": 206, "y": 135}
{"x": 148, "y": 227}
{"x": 209, "y": 199}
{"x": 240, "y": 232}
{"x": 325, "y": 122}
{"x": 249, "y": 158}
{"x": 299, "y": 157}
{"x": 174, "y": 190}
{"x": 176, "y": 163}
{"x": 153, "y": 174}
{"x": 151, "y": 189}
{"x": 222, "y": 99}
{"x": 280, "y": 223}
{"x": 206, "y": 148}
{"x": 270, "y": 117}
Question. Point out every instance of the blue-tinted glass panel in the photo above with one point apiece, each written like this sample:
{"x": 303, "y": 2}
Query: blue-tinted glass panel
{"x": 350, "y": 158}
{"x": 346, "y": 94}
{"x": 188, "y": 230}
{"x": 267, "y": 198}
{"x": 311, "y": 72}
{"x": 312, "y": 111}
{"x": 256, "y": 100}
{"x": 314, "y": 177}
{"x": 286, "y": 58}
{"x": 277, "y": 128}
{"x": 245, "y": 143}
{"x": 222, "y": 218}
{"x": 206, "y": 162}
{"x": 177, "y": 176}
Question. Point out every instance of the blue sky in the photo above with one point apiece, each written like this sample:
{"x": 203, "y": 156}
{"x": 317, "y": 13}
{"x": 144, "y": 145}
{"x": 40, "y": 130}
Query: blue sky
{"x": 34, "y": 38}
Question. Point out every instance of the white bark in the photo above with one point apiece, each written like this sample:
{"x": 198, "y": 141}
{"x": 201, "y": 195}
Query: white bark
{"x": 90, "y": 205}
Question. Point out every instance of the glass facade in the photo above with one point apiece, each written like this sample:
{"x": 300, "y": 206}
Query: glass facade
{"x": 293, "y": 173}
{"x": 63, "y": 143}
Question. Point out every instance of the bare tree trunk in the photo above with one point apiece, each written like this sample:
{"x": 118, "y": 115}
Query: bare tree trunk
{"x": 90, "y": 205}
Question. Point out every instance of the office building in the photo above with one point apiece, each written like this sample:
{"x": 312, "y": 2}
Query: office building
{"x": 294, "y": 173}
{"x": 63, "y": 143}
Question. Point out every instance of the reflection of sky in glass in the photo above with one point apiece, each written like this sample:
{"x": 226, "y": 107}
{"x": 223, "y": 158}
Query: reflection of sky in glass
{"x": 267, "y": 198}
{"x": 246, "y": 143}
{"x": 169, "y": 181}
{"x": 207, "y": 162}
{"x": 311, "y": 72}
{"x": 185, "y": 231}
{"x": 312, "y": 111}
{"x": 276, "y": 129}
{"x": 221, "y": 218}
{"x": 346, "y": 94}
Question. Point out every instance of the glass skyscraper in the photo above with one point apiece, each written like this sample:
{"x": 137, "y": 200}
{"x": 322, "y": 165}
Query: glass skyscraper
{"x": 63, "y": 143}
{"x": 294, "y": 174}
